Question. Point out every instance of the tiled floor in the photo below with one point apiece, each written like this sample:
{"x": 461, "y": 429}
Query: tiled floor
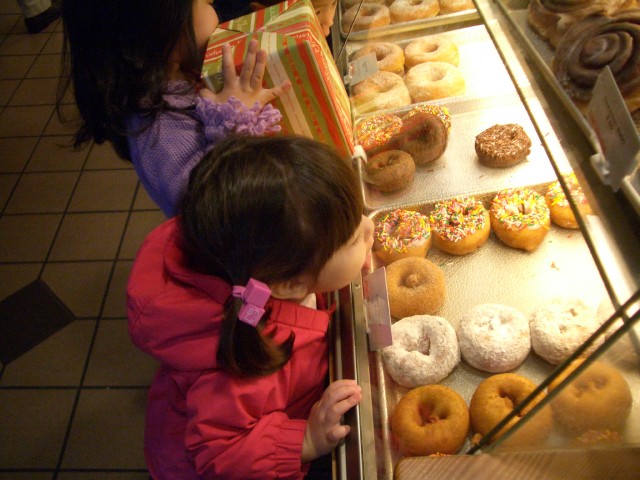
{"x": 72, "y": 407}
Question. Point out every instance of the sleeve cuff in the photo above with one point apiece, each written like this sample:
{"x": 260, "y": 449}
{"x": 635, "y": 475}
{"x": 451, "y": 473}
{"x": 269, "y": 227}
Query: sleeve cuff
{"x": 288, "y": 454}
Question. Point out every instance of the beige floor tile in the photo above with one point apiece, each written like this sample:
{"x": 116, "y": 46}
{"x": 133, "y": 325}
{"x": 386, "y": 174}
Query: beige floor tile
{"x": 25, "y": 44}
{"x": 143, "y": 200}
{"x": 24, "y": 121}
{"x": 15, "y": 153}
{"x": 104, "y": 157}
{"x": 35, "y": 91}
{"x": 56, "y": 153}
{"x": 27, "y": 238}
{"x": 115, "y": 303}
{"x": 8, "y": 89}
{"x": 43, "y": 192}
{"x": 7, "y": 22}
{"x": 14, "y": 276}
{"x": 46, "y": 66}
{"x": 15, "y": 66}
{"x": 104, "y": 190}
{"x": 8, "y": 182}
{"x": 68, "y": 125}
{"x": 9, "y": 7}
{"x": 54, "y": 43}
{"x": 138, "y": 227}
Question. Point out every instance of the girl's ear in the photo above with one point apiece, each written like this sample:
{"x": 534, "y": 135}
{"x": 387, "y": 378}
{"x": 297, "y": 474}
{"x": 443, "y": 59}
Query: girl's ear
{"x": 294, "y": 289}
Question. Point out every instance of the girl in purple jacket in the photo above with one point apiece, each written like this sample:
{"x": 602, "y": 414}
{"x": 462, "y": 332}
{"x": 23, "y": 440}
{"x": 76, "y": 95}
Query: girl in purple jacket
{"x": 134, "y": 66}
{"x": 228, "y": 298}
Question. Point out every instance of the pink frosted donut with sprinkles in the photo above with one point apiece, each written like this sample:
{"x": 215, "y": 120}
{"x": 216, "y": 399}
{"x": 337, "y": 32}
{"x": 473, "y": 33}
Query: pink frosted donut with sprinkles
{"x": 520, "y": 218}
{"x": 559, "y": 208}
{"x": 460, "y": 225}
{"x": 400, "y": 234}
{"x": 375, "y": 132}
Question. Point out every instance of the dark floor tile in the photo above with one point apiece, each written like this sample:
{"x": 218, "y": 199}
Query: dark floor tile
{"x": 56, "y": 154}
{"x": 104, "y": 190}
{"x": 138, "y": 227}
{"x": 115, "y": 303}
{"x": 24, "y": 121}
{"x": 104, "y": 157}
{"x": 15, "y": 153}
{"x": 43, "y": 192}
{"x": 27, "y": 238}
{"x": 14, "y": 276}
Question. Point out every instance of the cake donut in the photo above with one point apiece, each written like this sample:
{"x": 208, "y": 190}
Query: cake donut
{"x": 434, "y": 48}
{"x": 502, "y": 145}
{"x": 424, "y": 133}
{"x": 390, "y": 171}
{"x": 376, "y": 131}
{"x": 496, "y": 397}
{"x": 520, "y": 218}
{"x": 389, "y": 56}
{"x": 459, "y": 225}
{"x": 559, "y": 326}
{"x": 415, "y": 287}
{"x": 453, "y": 6}
{"x": 380, "y": 91}
{"x": 401, "y": 234}
{"x": 494, "y": 338}
{"x": 424, "y": 350}
{"x": 409, "y": 10}
{"x": 430, "y": 420}
{"x": 365, "y": 16}
{"x": 559, "y": 208}
{"x": 434, "y": 80}
{"x": 599, "y": 398}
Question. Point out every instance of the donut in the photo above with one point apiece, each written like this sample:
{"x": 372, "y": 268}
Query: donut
{"x": 346, "y": 4}
{"x": 597, "y": 399}
{"x": 389, "y": 56}
{"x": 390, "y": 171}
{"x": 376, "y": 131}
{"x": 453, "y": 6}
{"x": 408, "y": 10}
{"x": 424, "y": 133}
{"x": 401, "y": 234}
{"x": 380, "y": 91}
{"x": 459, "y": 225}
{"x": 434, "y": 48}
{"x": 559, "y": 326}
{"x": 559, "y": 208}
{"x": 434, "y": 80}
{"x": 424, "y": 350}
{"x": 365, "y": 16}
{"x": 494, "y": 338}
{"x": 520, "y": 218}
{"x": 430, "y": 420}
{"x": 496, "y": 397}
{"x": 597, "y": 437}
{"x": 415, "y": 287}
{"x": 502, "y": 145}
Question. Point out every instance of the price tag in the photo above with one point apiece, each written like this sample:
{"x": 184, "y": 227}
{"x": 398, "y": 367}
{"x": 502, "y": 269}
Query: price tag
{"x": 362, "y": 68}
{"x": 376, "y": 302}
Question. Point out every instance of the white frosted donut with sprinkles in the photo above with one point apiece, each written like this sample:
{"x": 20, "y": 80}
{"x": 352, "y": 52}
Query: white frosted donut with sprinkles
{"x": 561, "y": 213}
{"x": 460, "y": 225}
{"x": 400, "y": 234}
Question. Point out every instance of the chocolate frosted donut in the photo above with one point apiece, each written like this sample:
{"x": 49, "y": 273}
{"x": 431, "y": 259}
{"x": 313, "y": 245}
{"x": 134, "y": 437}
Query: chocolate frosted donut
{"x": 502, "y": 145}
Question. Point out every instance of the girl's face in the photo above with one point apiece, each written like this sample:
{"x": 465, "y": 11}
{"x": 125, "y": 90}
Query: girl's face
{"x": 205, "y": 21}
{"x": 325, "y": 11}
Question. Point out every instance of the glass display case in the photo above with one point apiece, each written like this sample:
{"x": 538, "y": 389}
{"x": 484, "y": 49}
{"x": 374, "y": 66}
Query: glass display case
{"x": 506, "y": 68}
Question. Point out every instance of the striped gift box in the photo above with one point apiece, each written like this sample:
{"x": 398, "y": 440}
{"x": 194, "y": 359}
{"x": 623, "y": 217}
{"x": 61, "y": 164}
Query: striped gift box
{"x": 317, "y": 105}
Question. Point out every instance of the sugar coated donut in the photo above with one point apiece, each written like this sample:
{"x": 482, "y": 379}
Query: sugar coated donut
{"x": 365, "y": 16}
{"x": 390, "y": 171}
{"x": 430, "y": 420}
{"x": 409, "y": 10}
{"x": 434, "y": 80}
{"x": 453, "y": 6}
{"x": 400, "y": 234}
{"x": 561, "y": 213}
{"x": 424, "y": 133}
{"x": 459, "y": 225}
{"x": 424, "y": 350}
{"x": 502, "y": 145}
{"x": 494, "y": 338}
{"x": 376, "y": 131}
{"x": 434, "y": 48}
{"x": 520, "y": 218}
{"x": 389, "y": 56}
{"x": 415, "y": 286}
{"x": 560, "y": 326}
{"x": 496, "y": 397}
{"x": 380, "y": 91}
{"x": 597, "y": 399}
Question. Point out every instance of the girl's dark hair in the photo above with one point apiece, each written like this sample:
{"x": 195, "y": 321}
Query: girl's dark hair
{"x": 270, "y": 208}
{"x": 115, "y": 56}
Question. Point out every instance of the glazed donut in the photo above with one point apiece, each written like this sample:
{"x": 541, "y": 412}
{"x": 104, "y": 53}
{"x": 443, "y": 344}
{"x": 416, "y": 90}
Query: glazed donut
{"x": 496, "y": 397}
{"x": 434, "y": 80}
{"x": 520, "y": 218}
{"x": 453, "y": 6}
{"x": 559, "y": 208}
{"x": 401, "y": 234}
{"x": 430, "y": 420}
{"x": 380, "y": 91}
{"x": 597, "y": 399}
{"x": 389, "y": 56}
{"x": 434, "y": 48}
{"x": 502, "y": 145}
{"x": 424, "y": 133}
{"x": 459, "y": 225}
{"x": 560, "y": 326}
{"x": 408, "y": 10}
{"x": 365, "y": 16}
{"x": 415, "y": 286}
{"x": 376, "y": 131}
{"x": 494, "y": 338}
{"x": 390, "y": 171}
{"x": 424, "y": 350}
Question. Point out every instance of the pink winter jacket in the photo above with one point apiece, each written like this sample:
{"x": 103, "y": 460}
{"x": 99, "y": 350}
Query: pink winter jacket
{"x": 202, "y": 423}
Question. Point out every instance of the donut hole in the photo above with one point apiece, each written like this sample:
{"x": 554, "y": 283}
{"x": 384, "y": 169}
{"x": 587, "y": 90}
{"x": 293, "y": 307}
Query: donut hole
{"x": 415, "y": 3}
{"x": 413, "y": 280}
{"x": 427, "y": 414}
{"x": 431, "y": 47}
{"x": 436, "y": 74}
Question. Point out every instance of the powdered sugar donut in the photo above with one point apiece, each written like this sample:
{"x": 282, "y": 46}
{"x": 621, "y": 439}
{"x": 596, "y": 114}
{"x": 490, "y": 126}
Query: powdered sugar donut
{"x": 560, "y": 326}
{"x": 494, "y": 338}
{"x": 424, "y": 351}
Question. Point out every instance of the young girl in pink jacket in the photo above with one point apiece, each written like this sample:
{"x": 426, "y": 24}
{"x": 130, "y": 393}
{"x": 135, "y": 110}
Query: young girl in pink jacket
{"x": 228, "y": 296}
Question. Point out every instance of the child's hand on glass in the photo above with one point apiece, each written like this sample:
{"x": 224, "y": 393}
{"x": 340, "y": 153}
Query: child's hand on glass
{"x": 324, "y": 430}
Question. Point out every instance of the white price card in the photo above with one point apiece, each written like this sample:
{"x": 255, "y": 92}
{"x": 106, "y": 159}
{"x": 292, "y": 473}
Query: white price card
{"x": 614, "y": 127}
{"x": 362, "y": 68}
{"x": 376, "y": 302}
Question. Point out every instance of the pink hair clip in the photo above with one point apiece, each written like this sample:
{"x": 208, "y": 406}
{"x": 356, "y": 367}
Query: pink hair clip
{"x": 254, "y": 297}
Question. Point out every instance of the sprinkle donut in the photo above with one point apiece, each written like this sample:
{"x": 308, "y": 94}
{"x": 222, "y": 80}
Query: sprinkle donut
{"x": 434, "y": 80}
{"x": 380, "y": 91}
{"x": 365, "y": 16}
{"x": 376, "y": 131}
{"x": 424, "y": 133}
{"x": 520, "y": 218}
{"x": 409, "y": 10}
{"x": 400, "y": 234}
{"x": 560, "y": 210}
{"x": 390, "y": 171}
{"x": 424, "y": 350}
{"x": 494, "y": 338}
{"x": 459, "y": 225}
{"x": 415, "y": 286}
{"x": 434, "y": 48}
{"x": 389, "y": 56}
